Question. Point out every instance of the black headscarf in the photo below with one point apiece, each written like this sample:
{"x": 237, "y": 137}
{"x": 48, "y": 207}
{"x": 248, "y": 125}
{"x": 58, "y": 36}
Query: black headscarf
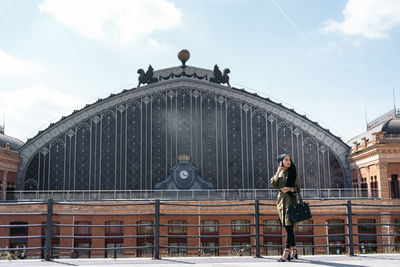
{"x": 292, "y": 173}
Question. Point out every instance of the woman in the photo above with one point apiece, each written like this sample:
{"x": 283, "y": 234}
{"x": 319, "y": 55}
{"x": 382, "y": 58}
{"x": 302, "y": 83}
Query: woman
{"x": 288, "y": 182}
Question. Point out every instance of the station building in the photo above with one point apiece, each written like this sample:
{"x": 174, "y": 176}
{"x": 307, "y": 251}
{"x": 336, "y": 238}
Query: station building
{"x": 185, "y": 136}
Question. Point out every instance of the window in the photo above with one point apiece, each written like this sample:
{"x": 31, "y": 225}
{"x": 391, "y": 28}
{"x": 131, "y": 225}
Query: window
{"x": 146, "y": 242}
{"x": 365, "y": 227}
{"x": 397, "y": 227}
{"x": 81, "y": 229}
{"x": 335, "y": 239}
{"x": 18, "y": 229}
{"x": 84, "y": 253}
{"x": 335, "y": 228}
{"x": 307, "y": 249}
{"x": 355, "y": 184}
{"x": 240, "y": 226}
{"x": 178, "y": 249}
{"x": 209, "y": 227}
{"x": 55, "y": 230}
{"x": 242, "y": 249}
{"x": 397, "y": 231}
{"x": 273, "y": 248}
{"x": 374, "y": 186}
{"x": 272, "y": 226}
{"x": 177, "y": 229}
{"x": 301, "y": 228}
{"x": 114, "y": 253}
{"x": 394, "y": 186}
{"x": 115, "y": 229}
{"x": 145, "y": 229}
{"x": 364, "y": 187}
{"x": 147, "y": 250}
{"x": 209, "y": 251}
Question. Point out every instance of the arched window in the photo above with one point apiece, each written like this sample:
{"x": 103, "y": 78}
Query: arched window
{"x": 394, "y": 186}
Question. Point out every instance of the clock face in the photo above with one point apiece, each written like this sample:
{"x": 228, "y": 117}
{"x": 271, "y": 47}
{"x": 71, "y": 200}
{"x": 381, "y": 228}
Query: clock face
{"x": 184, "y": 174}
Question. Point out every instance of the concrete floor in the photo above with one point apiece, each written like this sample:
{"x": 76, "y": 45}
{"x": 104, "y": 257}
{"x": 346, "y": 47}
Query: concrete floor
{"x": 380, "y": 260}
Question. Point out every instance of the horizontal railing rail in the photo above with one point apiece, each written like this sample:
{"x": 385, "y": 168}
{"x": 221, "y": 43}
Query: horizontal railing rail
{"x": 190, "y": 194}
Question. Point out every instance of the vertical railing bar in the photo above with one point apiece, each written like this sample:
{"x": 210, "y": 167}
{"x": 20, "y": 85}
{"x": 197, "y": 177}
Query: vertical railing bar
{"x": 350, "y": 228}
{"x": 257, "y": 226}
{"x": 49, "y": 224}
{"x": 156, "y": 229}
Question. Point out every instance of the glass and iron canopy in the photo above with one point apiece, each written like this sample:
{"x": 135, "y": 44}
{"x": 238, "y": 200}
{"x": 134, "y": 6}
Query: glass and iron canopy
{"x": 132, "y": 139}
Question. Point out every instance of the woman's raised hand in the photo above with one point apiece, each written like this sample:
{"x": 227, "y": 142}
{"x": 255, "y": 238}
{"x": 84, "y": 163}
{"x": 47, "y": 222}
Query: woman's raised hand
{"x": 280, "y": 169}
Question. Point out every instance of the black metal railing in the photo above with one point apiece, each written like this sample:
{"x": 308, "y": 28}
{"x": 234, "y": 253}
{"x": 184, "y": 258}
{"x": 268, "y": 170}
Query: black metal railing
{"x": 52, "y": 211}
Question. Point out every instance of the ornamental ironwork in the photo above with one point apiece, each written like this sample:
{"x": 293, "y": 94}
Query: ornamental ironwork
{"x": 134, "y": 143}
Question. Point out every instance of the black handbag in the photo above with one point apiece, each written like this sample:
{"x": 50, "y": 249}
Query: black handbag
{"x": 299, "y": 211}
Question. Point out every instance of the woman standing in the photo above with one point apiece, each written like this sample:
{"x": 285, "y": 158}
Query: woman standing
{"x": 288, "y": 182}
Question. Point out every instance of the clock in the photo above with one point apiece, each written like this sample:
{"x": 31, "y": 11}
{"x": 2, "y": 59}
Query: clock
{"x": 184, "y": 174}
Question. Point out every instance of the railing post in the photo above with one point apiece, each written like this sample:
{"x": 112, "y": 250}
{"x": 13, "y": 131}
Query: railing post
{"x": 257, "y": 226}
{"x": 49, "y": 226}
{"x": 156, "y": 229}
{"x": 350, "y": 227}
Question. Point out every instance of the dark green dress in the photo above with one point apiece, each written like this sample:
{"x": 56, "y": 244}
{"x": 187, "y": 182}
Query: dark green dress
{"x": 284, "y": 200}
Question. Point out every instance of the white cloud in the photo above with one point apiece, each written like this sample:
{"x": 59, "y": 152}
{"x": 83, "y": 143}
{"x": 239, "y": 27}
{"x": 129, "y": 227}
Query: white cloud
{"x": 370, "y": 18}
{"x": 122, "y": 20}
{"x": 31, "y": 109}
{"x": 12, "y": 65}
{"x": 156, "y": 45}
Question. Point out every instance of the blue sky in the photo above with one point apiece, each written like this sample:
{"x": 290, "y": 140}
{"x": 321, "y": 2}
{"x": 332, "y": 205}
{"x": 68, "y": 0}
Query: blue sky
{"x": 334, "y": 61}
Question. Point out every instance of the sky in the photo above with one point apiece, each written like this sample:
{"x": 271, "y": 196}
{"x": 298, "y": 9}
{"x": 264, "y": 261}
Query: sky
{"x": 337, "y": 62}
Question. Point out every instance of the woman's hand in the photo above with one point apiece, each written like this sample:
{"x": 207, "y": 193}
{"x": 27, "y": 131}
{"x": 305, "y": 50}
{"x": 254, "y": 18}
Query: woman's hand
{"x": 280, "y": 169}
{"x": 285, "y": 189}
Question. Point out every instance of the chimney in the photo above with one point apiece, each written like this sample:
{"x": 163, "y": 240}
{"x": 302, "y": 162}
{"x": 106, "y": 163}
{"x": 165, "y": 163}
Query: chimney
{"x": 364, "y": 142}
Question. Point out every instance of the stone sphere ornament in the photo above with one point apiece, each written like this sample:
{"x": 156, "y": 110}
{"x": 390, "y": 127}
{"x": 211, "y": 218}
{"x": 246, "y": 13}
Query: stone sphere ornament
{"x": 183, "y": 56}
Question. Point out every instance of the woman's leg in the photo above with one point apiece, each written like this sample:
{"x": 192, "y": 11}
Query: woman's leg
{"x": 286, "y": 252}
{"x": 289, "y": 236}
{"x": 292, "y": 243}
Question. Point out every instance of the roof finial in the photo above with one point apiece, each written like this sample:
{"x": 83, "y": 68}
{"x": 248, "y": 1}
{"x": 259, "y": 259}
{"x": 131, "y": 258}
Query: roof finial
{"x": 184, "y": 56}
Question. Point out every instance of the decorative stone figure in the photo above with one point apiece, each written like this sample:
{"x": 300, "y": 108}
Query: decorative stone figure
{"x": 220, "y": 77}
{"x": 146, "y": 77}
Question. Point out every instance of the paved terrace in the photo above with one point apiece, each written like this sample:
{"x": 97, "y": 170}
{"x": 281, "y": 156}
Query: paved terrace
{"x": 381, "y": 260}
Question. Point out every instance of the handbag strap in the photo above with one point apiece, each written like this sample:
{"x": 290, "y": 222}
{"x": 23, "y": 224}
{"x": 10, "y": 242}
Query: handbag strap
{"x": 299, "y": 197}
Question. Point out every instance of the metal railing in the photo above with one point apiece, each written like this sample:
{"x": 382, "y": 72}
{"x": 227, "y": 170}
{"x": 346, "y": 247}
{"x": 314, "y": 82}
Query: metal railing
{"x": 52, "y": 211}
{"x": 191, "y": 194}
